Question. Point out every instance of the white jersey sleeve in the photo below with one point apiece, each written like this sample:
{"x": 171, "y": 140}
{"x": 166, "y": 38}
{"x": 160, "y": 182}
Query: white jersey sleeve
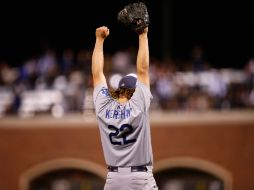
{"x": 101, "y": 97}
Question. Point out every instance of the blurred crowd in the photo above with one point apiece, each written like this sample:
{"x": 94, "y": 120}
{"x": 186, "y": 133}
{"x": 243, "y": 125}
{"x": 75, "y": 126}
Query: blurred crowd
{"x": 61, "y": 83}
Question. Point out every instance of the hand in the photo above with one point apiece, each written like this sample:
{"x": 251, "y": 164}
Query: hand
{"x": 102, "y": 32}
{"x": 145, "y": 31}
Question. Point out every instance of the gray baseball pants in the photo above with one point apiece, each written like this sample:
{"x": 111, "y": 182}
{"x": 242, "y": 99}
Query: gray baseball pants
{"x": 124, "y": 179}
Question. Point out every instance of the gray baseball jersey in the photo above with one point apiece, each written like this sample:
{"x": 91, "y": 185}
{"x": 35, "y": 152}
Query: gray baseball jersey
{"x": 124, "y": 127}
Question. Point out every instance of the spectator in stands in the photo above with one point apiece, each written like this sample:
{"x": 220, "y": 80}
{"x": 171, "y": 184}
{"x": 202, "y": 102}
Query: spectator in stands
{"x": 28, "y": 73}
{"x": 67, "y": 62}
{"x": 249, "y": 69}
{"x": 163, "y": 87}
{"x": 47, "y": 67}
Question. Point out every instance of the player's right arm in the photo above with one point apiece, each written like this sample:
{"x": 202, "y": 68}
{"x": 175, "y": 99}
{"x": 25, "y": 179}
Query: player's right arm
{"x": 98, "y": 56}
{"x": 143, "y": 59}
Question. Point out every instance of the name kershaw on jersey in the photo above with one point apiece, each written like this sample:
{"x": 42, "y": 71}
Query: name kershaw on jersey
{"x": 118, "y": 113}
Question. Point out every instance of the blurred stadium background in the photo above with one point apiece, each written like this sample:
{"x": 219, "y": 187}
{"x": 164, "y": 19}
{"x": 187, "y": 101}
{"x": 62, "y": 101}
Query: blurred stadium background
{"x": 202, "y": 81}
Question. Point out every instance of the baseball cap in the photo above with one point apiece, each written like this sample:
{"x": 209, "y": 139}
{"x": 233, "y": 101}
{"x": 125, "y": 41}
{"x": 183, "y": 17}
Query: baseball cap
{"x": 128, "y": 81}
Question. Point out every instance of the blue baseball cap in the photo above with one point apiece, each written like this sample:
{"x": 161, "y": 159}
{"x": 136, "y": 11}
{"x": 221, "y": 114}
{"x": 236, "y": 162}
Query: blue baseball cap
{"x": 128, "y": 81}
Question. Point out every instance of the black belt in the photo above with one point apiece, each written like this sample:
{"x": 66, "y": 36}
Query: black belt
{"x": 133, "y": 168}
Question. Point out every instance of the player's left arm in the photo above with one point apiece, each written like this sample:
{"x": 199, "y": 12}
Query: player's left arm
{"x": 143, "y": 58}
{"x": 142, "y": 95}
{"x": 98, "y": 56}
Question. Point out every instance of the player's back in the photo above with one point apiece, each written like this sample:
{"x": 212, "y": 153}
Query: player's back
{"x": 124, "y": 127}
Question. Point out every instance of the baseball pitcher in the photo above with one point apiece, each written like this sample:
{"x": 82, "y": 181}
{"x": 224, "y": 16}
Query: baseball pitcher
{"x": 123, "y": 119}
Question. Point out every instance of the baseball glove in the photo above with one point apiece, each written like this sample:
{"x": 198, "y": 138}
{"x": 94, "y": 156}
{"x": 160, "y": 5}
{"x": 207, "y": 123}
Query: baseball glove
{"x": 134, "y": 16}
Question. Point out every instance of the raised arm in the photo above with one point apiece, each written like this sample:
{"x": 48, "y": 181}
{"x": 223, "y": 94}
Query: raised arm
{"x": 98, "y": 56}
{"x": 143, "y": 59}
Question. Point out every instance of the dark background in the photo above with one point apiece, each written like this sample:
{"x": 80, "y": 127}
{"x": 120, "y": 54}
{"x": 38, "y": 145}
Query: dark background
{"x": 223, "y": 28}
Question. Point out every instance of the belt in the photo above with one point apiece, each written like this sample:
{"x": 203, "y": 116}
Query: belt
{"x": 133, "y": 168}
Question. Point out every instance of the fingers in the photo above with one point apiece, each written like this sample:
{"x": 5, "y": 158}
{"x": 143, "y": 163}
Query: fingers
{"x": 105, "y": 30}
{"x": 102, "y": 29}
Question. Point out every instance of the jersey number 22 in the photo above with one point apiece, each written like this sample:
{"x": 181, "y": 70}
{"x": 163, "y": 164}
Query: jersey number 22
{"x": 124, "y": 131}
